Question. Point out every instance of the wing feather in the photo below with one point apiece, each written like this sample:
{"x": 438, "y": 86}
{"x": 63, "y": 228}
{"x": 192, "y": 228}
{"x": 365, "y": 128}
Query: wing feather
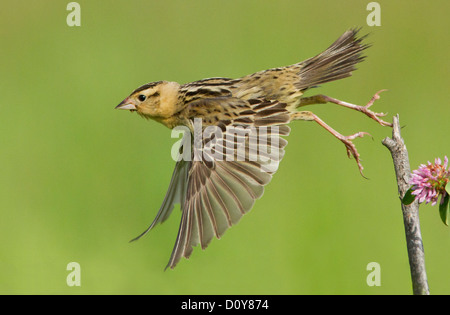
{"x": 176, "y": 193}
{"x": 216, "y": 193}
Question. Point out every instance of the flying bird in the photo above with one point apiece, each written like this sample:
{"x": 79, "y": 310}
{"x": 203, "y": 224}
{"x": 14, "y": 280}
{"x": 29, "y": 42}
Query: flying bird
{"x": 218, "y": 181}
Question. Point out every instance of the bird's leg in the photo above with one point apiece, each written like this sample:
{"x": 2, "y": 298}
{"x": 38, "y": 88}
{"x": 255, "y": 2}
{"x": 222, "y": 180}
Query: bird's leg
{"x": 347, "y": 140}
{"x": 322, "y": 99}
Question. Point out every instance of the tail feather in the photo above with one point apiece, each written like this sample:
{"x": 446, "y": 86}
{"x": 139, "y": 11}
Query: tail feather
{"x": 336, "y": 62}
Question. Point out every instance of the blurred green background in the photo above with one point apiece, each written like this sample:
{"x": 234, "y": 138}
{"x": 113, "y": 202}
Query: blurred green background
{"x": 80, "y": 179}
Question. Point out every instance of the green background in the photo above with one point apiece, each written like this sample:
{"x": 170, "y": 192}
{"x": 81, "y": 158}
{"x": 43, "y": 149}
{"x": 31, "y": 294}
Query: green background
{"x": 80, "y": 179}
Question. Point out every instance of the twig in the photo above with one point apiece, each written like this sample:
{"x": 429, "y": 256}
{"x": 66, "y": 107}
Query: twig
{"x": 414, "y": 243}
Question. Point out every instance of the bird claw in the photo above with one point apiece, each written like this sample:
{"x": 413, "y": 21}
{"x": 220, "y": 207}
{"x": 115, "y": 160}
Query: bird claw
{"x": 351, "y": 148}
{"x": 373, "y": 115}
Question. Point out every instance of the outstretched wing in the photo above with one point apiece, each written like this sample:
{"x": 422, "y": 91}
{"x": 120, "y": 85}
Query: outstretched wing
{"x": 228, "y": 172}
{"x": 175, "y": 194}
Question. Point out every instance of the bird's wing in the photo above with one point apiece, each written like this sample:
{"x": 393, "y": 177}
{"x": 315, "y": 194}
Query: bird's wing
{"x": 175, "y": 194}
{"x": 223, "y": 185}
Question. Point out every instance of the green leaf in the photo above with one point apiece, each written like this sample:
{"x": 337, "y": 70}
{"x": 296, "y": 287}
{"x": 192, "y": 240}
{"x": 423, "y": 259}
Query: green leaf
{"x": 444, "y": 209}
{"x": 447, "y": 188}
{"x": 408, "y": 198}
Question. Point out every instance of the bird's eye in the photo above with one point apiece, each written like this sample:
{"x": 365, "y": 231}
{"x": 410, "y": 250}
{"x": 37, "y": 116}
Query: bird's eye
{"x": 142, "y": 97}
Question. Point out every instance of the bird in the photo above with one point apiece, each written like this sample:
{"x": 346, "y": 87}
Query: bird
{"x": 221, "y": 174}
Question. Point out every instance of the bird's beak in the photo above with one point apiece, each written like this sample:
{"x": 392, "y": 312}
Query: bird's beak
{"x": 126, "y": 104}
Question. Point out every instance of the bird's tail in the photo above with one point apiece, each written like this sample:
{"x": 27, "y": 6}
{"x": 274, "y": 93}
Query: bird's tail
{"x": 336, "y": 62}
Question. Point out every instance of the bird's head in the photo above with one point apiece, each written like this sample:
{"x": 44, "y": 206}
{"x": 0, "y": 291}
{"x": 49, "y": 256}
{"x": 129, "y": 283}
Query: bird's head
{"x": 156, "y": 100}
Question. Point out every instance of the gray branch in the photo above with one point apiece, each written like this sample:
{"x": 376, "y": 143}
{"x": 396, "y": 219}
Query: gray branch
{"x": 411, "y": 221}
